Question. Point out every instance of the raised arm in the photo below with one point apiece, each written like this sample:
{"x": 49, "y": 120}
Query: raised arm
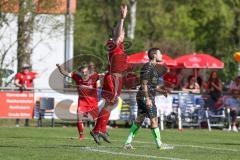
{"x": 119, "y": 31}
{"x": 63, "y": 71}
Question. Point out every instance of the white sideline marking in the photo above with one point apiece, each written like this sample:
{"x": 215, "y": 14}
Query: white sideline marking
{"x": 194, "y": 146}
{"x": 128, "y": 154}
{"x": 182, "y": 145}
{"x": 206, "y": 147}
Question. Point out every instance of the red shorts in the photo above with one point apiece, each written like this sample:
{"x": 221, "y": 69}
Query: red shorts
{"x": 110, "y": 91}
{"x": 91, "y": 107}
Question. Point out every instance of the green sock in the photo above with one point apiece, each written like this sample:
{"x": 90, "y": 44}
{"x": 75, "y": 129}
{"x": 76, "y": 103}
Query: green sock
{"x": 157, "y": 136}
{"x": 133, "y": 132}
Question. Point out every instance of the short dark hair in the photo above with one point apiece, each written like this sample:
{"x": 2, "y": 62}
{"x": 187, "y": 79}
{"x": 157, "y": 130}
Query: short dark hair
{"x": 81, "y": 67}
{"x": 151, "y": 52}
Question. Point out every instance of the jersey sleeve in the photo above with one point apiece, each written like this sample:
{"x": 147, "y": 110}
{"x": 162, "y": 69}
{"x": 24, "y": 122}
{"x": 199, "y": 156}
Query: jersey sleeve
{"x": 18, "y": 76}
{"x": 74, "y": 76}
{"x": 33, "y": 75}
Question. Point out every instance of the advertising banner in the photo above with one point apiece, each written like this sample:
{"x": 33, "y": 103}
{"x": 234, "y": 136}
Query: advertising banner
{"x": 16, "y": 104}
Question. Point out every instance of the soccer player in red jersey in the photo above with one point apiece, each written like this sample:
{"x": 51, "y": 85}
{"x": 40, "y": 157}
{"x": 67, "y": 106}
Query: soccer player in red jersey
{"x": 24, "y": 81}
{"x": 112, "y": 83}
{"x": 87, "y": 91}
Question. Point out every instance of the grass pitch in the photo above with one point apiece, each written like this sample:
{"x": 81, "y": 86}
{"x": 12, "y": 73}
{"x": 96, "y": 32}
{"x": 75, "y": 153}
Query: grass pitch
{"x": 63, "y": 144}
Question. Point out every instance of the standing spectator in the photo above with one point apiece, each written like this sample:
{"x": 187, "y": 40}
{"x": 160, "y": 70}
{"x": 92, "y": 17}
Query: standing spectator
{"x": 214, "y": 89}
{"x": 24, "y": 81}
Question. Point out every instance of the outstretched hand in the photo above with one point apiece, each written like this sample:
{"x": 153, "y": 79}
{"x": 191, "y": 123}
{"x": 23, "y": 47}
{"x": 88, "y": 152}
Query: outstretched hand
{"x": 123, "y": 11}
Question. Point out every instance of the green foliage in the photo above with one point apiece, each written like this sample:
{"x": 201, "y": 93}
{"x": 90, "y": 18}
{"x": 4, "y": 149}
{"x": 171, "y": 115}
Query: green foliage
{"x": 177, "y": 27}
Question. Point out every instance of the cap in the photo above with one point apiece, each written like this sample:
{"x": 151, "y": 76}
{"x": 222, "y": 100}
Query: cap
{"x": 25, "y": 65}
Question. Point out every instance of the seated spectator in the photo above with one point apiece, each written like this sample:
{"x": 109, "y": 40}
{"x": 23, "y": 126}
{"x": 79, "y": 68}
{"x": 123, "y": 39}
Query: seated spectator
{"x": 213, "y": 89}
{"x": 170, "y": 79}
{"x": 191, "y": 85}
{"x": 233, "y": 103}
{"x": 180, "y": 79}
{"x": 131, "y": 80}
{"x": 199, "y": 79}
{"x": 235, "y": 84}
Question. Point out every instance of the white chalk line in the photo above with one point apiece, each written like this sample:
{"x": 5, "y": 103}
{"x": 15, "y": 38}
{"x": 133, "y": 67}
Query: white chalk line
{"x": 182, "y": 145}
{"x": 128, "y": 154}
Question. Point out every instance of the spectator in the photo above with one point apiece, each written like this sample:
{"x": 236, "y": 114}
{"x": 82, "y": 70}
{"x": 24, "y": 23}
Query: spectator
{"x": 131, "y": 80}
{"x": 233, "y": 103}
{"x": 170, "y": 79}
{"x": 191, "y": 86}
{"x": 214, "y": 89}
{"x": 180, "y": 79}
{"x": 199, "y": 79}
{"x": 24, "y": 81}
{"x": 235, "y": 84}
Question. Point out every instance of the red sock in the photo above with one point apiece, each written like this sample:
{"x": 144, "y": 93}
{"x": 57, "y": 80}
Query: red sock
{"x": 102, "y": 121}
{"x": 80, "y": 127}
{"x": 97, "y": 126}
{"x": 105, "y": 118}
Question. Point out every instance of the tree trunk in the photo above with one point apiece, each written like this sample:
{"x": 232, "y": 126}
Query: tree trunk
{"x": 25, "y": 31}
{"x": 132, "y": 23}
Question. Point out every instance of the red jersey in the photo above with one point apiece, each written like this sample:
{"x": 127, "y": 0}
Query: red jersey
{"x": 87, "y": 90}
{"x": 26, "y": 78}
{"x": 117, "y": 57}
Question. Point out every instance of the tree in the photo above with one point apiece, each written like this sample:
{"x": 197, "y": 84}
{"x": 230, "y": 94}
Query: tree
{"x": 29, "y": 20}
{"x": 26, "y": 17}
{"x": 132, "y": 21}
{"x": 177, "y": 27}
